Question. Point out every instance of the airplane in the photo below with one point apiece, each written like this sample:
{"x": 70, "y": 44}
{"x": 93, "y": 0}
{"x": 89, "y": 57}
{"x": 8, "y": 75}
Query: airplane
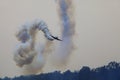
{"x": 56, "y": 38}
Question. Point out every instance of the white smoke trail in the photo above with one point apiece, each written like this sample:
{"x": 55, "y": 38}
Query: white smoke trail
{"x": 28, "y": 54}
{"x": 66, "y": 15}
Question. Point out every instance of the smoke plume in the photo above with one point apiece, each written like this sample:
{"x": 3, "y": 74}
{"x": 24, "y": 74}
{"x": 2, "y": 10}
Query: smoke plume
{"x": 66, "y": 15}
{"x": 28, "y": 54}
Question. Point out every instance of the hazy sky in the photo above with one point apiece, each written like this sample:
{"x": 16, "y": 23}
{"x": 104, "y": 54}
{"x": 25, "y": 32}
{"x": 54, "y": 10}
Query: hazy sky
{"x": 97, "y": 37}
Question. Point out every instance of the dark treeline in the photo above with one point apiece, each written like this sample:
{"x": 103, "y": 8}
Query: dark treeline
{"x": 108, "y": 72}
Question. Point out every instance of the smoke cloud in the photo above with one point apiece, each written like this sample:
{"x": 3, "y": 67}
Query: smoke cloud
{"x": 30, "y": 56}
{"x": 66, "y": 15}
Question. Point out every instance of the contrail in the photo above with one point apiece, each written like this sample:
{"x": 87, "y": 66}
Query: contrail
{"x": 66, "y": 15}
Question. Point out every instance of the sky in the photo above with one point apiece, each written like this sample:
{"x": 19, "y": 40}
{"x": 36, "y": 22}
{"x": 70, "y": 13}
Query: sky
{"x": 96, "y": 39}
